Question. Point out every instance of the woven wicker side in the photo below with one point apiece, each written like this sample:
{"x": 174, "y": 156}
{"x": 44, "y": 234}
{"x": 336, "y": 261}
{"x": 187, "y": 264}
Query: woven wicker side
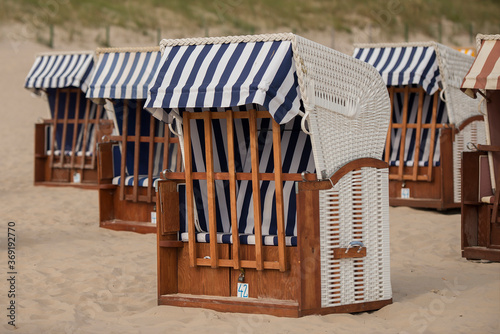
{"x": 356, "y": 209}
{"x": 453, "y": 66}
{"x": 350, "y": 107}
{"x": 473, "y": 133}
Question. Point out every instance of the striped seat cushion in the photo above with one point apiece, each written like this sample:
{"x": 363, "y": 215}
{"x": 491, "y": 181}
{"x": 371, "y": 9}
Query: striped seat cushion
{"x": 70, "y": 153}
{"x": 130, "y": 180}
{"x": 245, "y": 239}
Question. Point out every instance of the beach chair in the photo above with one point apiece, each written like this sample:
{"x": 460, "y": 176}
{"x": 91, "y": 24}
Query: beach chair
{"x": 481, "y": 168}
{"x": 136, "y": 147}
{"x": 432, "y": 121}
{"x": 282, "y": 207}
{"x": 65, "y": 142}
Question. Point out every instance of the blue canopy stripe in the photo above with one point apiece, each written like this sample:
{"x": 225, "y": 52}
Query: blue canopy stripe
{"x": 123, "y": 75}
{"x": 226, "y": 75}
{"x": 61, "y": 71}
{"x": 404, "y": 65}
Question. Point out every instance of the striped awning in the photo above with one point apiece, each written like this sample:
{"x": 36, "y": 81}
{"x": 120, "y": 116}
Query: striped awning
{"x": 404, "y": 65}
{"x": 124, "y": 74}
{"x": 225, "y": 75}
{"x": 485, "y": 71}
{"x": 60, "y": 71}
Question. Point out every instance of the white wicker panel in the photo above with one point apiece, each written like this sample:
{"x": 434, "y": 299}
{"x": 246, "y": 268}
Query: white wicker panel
{"x": 356, "y": 209}
{"x": 348, "y": 104}
{"x": 454, "y": 65}
{"x": 473, "y": 133}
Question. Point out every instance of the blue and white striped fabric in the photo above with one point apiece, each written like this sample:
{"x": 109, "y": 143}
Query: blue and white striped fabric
{"x": 404, "y": 65}
{"x": 425, "y": 136}
{"x": 226, "y": 75}
{"x": 123, "y": 75}
{"x": 73, "y": 110}
{"x": 296, "y": 156}
{"x": 158, "y": 151}
{"x": 61, "y": 71}
{"x": 129, "y": 180}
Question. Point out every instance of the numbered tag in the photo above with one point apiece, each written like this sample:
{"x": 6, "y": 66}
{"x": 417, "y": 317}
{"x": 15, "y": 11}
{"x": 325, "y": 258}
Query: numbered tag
{"x": 153, "y": 217}
{"x": 242, "y": 290}
{"x": 405, "y": 192}
{"x": 77, "y": 178}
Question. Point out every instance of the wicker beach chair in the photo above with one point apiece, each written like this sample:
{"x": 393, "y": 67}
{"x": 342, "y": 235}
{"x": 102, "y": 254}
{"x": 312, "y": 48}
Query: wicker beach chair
{"x": 432, "y": 121}
{"x": 481, "y": 169}
{"x": 65, "y": 142}
{"x": 283, "y": 198}
{"x": 136, "y": 147}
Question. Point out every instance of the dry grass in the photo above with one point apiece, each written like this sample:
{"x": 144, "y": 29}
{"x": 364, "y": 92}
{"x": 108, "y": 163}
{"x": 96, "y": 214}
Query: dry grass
{"x": 256, "y": 16}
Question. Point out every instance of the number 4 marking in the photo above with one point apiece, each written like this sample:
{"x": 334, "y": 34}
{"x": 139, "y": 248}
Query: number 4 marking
{"x": 242, "y": 290}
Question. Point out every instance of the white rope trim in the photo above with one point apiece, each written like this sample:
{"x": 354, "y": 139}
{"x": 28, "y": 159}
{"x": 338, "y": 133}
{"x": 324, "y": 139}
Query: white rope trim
{"x": 481, "y": 37}
{"x": 225, "y": 40}
{"x": 100, "y": 51}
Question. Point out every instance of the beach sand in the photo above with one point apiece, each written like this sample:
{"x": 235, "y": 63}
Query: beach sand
{"x": 74, "y": 277}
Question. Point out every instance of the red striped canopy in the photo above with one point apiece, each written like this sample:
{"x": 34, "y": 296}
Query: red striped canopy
{"x": 485, "y": 71}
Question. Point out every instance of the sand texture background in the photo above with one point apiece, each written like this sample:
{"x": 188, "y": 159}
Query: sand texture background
{"x": 74, "y": 277}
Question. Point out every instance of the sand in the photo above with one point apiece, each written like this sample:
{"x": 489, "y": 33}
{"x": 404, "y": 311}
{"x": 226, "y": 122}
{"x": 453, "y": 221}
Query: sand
{"x": 74, "y": 277}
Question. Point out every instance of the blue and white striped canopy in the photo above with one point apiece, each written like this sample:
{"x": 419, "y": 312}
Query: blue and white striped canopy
{"x": 226, "y": 75}
{"x": 404, "y": 65}
{"x": 124, "y": 74}
{"x": 61, "y": 71}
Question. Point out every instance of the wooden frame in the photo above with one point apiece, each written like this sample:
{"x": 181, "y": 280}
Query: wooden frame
{"x": 285, "y": 281}
{"x": 123, "y": 207}
{"x": 480, "y": 218}
{"x": 429, "y": 186}
{"x": 52, "y": 165}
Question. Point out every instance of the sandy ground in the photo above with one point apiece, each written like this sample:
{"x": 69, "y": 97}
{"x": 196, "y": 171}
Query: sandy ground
{"x": 73, "y": 277}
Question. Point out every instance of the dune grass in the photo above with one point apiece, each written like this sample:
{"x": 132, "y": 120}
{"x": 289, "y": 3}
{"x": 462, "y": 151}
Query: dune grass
{"x": 250, "y": 16}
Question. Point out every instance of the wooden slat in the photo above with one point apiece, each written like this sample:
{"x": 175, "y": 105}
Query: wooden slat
{"x": 96, "y": 122}
{"x": 278, "y": 183}
{"x": 422, "y": 126}
{"x": 189, "y": 189}
{"x": 344, "y": 253}
{"x": 65, "y": 129}
{"x": 54, "y": 129}
{"x": 144, "y": 139}
{"x": 236, "y": 114}
{"x": 254, "y": 149}
{"x": 409, "y": 178}
{"x": 350, "y": 166}
{"x": 433, "y": 134}
{"x": 403, "y": 132}
{"x": 244, "y": 263}
{"x": 151, "y": 156}
{"x": 166, "y": 146}
{"x": 136, "y": 151}
{"x": 179, "y": 165}
{"x": 212, "y": 217}
{"x": 389, "y": 132}
{"x": 85, "y": 129}
{"x": 232, "y": 189}
{"x": 124, "y": 151}
{"x": 75, "y": 130}
{"x": 239, "y": 176}
{"x": 416, "y": 157}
